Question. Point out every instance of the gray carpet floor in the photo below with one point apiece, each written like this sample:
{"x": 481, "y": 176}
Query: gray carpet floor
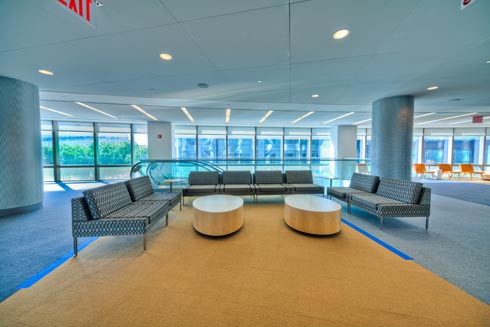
{"x": 456, "y": 246}
{"x": 471, "y": 192}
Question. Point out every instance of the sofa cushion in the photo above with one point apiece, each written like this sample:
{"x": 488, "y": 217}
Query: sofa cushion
{"x": 343, "y": 192}
{"x": 151, "y": 210}
{"x": 200, "y": 189}
{"x": 203, "y": 178}
{"x": 106, "y": 199}
{"x": 172, "y": 197}
{"x": 236, "y": 188}
{"x": 307, "y": 187}
{"x": 299, "y": 176}
{"x": 363, "y": 182}
{"x": 401, "y": 190}
{"x": 237, "y": 177}
{"x": 271, "y": 188}
{"x": 139, "y": 187}
{"x": 372, "y": 201}
{"x": 269, "y": 177}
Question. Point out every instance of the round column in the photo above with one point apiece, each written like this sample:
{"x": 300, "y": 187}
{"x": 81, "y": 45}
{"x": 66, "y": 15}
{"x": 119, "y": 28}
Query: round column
{"x": 21, "y": 179}
{"x": 392, "y": 133}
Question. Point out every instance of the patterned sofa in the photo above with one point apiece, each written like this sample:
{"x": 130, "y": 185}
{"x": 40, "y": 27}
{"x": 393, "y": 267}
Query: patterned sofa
{"x": 359, "y": 184}
{"x": 395, "y": 198}
{"x": 245, "y": 183}
{"x": 110, "y": 210}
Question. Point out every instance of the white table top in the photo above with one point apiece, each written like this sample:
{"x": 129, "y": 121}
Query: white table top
{"x": 311, "y": 203}
{"x": 218, "y": 203}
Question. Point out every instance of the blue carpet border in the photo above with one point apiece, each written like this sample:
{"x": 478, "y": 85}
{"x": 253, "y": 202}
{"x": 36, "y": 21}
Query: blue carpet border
{"x": 377, "y": 240}
{"x": 37, "y": 277}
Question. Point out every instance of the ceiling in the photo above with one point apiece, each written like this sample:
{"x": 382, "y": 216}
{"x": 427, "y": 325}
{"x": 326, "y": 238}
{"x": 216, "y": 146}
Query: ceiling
{"x": 394, "y": 48}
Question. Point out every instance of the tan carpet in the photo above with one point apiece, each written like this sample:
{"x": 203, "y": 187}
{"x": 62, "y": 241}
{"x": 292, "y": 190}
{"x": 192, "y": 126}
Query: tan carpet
{"x": 264, "y": 275}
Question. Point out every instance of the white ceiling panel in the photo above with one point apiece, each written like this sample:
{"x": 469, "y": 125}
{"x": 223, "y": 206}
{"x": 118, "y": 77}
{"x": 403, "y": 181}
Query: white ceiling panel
{"x": 249, "y": 39}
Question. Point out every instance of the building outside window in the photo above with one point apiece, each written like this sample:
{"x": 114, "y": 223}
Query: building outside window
{"x": 140, "y": 143}
{"x": 468, "y": 145}
{"x": 113, "y": 149}
{"x": 269, "y": 147}
{"x": 438, "y": 145}
{"x": 185, "y": 145}
{"x": 241, "y": 148}
{"x": 297, "y": 143}
{"x": 47, "y": 150}
{"x": 418, "y": 134}
{"x": 487, "y": 149}
{"x": 212, "y": 144}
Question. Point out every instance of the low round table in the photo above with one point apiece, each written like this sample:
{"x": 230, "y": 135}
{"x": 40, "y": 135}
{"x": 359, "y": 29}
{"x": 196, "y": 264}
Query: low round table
{"x": 312, "y": 214}
{"x": 217, "y": 215}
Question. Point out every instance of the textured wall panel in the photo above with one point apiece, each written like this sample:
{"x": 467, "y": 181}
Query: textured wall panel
{"x": 21, "y": 182}
{"x": 392, "y": 137}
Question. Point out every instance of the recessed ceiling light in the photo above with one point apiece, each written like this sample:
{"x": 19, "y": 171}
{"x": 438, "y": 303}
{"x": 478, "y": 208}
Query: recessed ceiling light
{"x": 340, "y": 34}
{"x": 56, "y": 111}
{"x": 166, "y": 56}
{"x": 266, "y": 116}
{"x": 95, "y": 109}
{"x": 184, "y": 109}
{"x": 259, "y": 81}
{"x": 339, "y": 117}
{"x": 302, "y": 117}
{"x": 228, "y": 114}
{"x": 45, "y": 72}
{"x": 315, "y": 95}
{"x": 487, "y": 62}
{"x": 143, "y": 112}
{"x": 432, "y": 88}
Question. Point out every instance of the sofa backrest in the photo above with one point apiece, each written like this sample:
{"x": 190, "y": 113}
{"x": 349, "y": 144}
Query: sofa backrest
{"x": 203, "y": 178}
{"x": 237, "y": 177}
{"x": 363, "y": 182}
{"x": 106, "y": 199}
{"x": 269, "y": 177}
{"x": 401, "y": 190}
{"x": 299, "y": 176}
{"x": 139, "y": 187}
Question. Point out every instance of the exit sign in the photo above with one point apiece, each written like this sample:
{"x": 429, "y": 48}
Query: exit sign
{"x": 477, "y": 119}
{"x": 82, "y": 8}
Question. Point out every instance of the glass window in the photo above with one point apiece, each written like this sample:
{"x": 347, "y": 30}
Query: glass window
{"x": 269, "y": 144}
{"x": 140, "y": 141}
{"x": 75, "y": 148}
{"x": 468, "y": 145}
{"x": 113, "y": 149}
{"x": 487, "y": 147}
{"x": 321, "y": 144}
{"x": 418, "y": 134}
{"x": 47, "y": 147}
{"x": 185, "y": 142}
{"x": 77, "y": 174}
{"x": 361, "y": 143}
{"x": 369, "y": 145}
{"x": 437, "y": 145}
{"x": 241, "y": 143}
{"x": 114, "y": 172}
{"x": 211, "y": 143}
{"x": 296, "y": 143}
{"x": 74, "y": 126}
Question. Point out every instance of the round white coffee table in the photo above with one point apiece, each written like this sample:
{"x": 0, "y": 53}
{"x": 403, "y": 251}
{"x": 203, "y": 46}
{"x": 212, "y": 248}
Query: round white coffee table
{"x": 312, "y": 214}
{"x": 217, "y": 215}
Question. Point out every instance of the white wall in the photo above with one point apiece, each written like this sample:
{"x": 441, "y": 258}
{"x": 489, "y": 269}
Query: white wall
{"x": 160, "y": 140}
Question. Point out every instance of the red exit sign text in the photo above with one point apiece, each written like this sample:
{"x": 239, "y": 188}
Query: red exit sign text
{"x": 79, "y": 7}
{"x": 477, "y": 119}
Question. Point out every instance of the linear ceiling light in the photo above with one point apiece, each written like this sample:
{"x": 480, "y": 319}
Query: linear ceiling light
{"x": 166, "y": 56}
{"x": 339, "y": 117}
{"x": 266, "y": 116}
{"x": 432, "y": 88}
{"x": 228, "y": 114}
{"x": 56, "y": 111}
{"x": 419, "y": 116}
{"x": 302, "y": 117}
{"x": 447, "y": 118}
{"x": 184, "y": 109}
{"x": 362, "y": 121}
{"x": 143, "y": 112}
{"x": 95, "y": 109}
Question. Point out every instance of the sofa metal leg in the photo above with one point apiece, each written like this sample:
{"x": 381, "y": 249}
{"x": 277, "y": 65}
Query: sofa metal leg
{"x": 166, "y": 220}
{"x": 144, "y": 241}
{"x": 380, "y": 222}
{"x": 427, "y": 222}
{"x": 75, "y": 246}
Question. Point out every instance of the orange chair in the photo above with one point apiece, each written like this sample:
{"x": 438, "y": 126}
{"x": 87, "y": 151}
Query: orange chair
{"x": 420, "y": 170}
{"x": 448, "y": 169}
{"x": 362, "y": 168}
{"x": 468, "y": 169}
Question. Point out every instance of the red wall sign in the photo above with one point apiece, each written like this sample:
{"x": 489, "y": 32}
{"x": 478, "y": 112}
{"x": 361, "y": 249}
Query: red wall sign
{"x": 159, "y": 136}
{"x": 466, "y": 3}
{"x": 477, "y": 119}
{"x": 79, "y": 7}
